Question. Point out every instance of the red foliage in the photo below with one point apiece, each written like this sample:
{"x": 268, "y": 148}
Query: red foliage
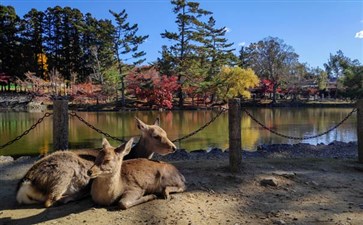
{"x": 149, "y": 85}
{"x": 4, "y": 78}
{"x": 267, "y": 86}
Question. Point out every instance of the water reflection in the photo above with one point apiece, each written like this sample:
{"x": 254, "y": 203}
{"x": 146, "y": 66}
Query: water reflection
{"x": 299, "y": 122}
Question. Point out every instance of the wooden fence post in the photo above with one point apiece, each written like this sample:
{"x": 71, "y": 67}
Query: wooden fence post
{"x": 360, "y": 129}
{"x": 60, "y": 123}
{"x": 234, "y": 126}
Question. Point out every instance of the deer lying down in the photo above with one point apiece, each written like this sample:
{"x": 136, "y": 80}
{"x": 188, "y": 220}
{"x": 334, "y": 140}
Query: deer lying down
{"x": 131, "y": 182}
{"x": 153, "y": 139}
{"x": 62, "y": 176}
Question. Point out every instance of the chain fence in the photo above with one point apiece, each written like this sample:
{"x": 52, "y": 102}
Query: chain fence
{"x": 202, "y": 127}
{"x": 74, "y": 114}
{"x": 298, "y": 138}
{"x": 40, "y": 120}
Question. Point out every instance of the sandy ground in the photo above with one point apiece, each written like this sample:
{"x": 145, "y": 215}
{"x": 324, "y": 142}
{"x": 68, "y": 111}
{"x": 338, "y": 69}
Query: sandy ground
{"x": 266, "y": 191}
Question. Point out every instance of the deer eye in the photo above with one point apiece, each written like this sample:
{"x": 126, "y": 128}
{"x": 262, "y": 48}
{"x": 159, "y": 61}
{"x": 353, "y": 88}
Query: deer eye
{"x": 157, "y": 137}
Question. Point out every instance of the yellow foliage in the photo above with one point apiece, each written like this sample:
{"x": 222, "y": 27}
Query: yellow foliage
{"x": 235, "y": 81}
{"x": 43, "y": 63}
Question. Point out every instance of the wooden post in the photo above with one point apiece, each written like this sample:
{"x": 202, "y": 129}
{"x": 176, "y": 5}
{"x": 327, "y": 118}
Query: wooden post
{"x": 60, "y": 123}
{"x": 234, "y": 125}
{"x": 360, "y": 129}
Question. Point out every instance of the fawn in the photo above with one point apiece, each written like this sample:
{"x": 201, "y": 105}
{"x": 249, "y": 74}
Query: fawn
{"x": 62, "y": 176}
{"x": 131, "y": 182}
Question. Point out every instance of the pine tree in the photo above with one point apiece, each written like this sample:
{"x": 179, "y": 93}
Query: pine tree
{"x": 126, "y": 44}
{"x": 10, "y": 42}
{"x": 187, "y": 37}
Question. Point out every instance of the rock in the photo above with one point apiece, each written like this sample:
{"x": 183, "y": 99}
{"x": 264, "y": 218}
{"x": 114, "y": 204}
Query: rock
{"x": 284, "y": 174}
{"x": 279, "y": 222}
{"x": 270, "y": 181}
{"x": 6, "y": 159}
{"x": 215, "y": 151}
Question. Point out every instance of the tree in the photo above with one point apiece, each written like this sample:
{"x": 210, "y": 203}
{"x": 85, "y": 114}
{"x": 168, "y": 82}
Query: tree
{"x": 188, "y": 15}
{"x": 42, "y": 62}
{"x": 150, "y": 86}
{"x": 216, "y": 52}
{"x": 336, "y": 67}
{"x": 243, "y": 58}
{"x": 272, "y": 59}
{"x": 321, "y": 77}
{"x": 218, "y": 49}
{"x": 32, "y": 35}
{"x": 11, "y": 59}
{"x": 235, "y": 81}
{"x": 126, "y": 44}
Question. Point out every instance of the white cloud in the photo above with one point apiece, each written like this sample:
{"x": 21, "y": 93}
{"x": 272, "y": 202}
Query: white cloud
{"x": 242, "y": 44}
{"x": 359, "y": 34}
{"x": 227, "y": 29}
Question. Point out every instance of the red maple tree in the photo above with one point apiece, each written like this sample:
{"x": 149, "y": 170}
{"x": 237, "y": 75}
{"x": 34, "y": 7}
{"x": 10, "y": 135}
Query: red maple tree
{"x": 148, "y": 85}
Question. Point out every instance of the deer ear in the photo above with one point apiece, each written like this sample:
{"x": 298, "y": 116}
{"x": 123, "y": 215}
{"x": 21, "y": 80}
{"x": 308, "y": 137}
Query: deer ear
{"x": 105, "y": 143}
{"x": 141, "y": 125}
{"x": 125, "y": 148}
{"x": 157, "y": 122}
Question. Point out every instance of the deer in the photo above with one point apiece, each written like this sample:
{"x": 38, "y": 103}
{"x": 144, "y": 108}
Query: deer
{"x": 62, "y": 177}
{"x": 131, "y": 182}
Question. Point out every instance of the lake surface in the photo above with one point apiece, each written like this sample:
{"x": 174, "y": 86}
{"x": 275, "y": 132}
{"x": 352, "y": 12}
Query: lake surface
{"x": 299, "y": 122}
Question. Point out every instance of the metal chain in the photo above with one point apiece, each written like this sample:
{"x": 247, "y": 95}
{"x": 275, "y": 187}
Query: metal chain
{"x": 202, "y": 127}
{"x": 27, "y": 131}
{"x": 299, "y": 138}
{"x": 95, "y": 128}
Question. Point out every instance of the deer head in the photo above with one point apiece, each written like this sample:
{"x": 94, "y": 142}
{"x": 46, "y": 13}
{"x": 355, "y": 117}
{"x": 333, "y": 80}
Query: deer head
{"x": 153, "y": 136}
{"x": 109, "y": 160}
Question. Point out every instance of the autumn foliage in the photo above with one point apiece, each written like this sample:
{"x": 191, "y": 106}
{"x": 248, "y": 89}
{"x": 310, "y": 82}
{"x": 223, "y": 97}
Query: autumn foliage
{"x": 235, "y": 81}
{"x": 148, "y": 85}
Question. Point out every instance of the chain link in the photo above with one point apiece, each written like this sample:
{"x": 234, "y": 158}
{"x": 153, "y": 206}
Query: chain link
{"x": 202, "y": 127}
{"x": 27, "y": 131}
{"x": 95, "y": 128}
{"x": 299, "y": 138}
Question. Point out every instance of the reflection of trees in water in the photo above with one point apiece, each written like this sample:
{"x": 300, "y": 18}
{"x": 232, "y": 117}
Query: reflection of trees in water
{"x": 290, "y": 121}
{"x": 249, "y": 135}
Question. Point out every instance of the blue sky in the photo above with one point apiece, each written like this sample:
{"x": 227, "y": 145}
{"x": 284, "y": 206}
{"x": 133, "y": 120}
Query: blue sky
{"x": 313, "y": 28}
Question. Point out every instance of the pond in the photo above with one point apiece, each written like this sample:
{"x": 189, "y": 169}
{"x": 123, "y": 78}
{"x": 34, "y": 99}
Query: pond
{"x": 298, "y": 122}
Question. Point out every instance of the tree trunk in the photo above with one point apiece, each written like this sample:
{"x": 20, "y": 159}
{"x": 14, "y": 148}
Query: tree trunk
{"x": 274, "y": 93}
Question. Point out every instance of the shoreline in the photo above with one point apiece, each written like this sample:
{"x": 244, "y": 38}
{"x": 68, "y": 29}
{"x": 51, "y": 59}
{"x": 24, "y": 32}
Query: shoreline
{"x": 25, "y": 102}
{"x": 336, "y": 149}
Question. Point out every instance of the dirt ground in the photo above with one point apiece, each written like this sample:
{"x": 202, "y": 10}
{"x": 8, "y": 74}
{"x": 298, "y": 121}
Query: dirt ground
{"x": 266, "y": 191}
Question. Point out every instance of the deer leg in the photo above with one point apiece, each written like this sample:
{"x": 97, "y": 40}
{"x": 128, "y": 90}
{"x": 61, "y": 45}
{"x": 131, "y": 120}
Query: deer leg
{"x": 171, "y": 189}
{"x": 83, "y": 193}
{"x": 130, "y": 199}
{"x": 58, "y": 189}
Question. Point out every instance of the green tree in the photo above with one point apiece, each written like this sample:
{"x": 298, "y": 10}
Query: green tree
{"x": 126, "y": 46}
{"x": 243, "y": 58}
{"x": 336, "y": 66}
{"x": 33, "y": 41}
{"x": 219, "y": 51}
{"x": 186, "y": 39}
{"x": 322, "y": 78}
{"x": 274, "y": 60}
{"x": 11, "y": 59}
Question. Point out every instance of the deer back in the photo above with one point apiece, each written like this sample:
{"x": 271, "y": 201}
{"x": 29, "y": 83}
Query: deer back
{"x": 150, "y": 176}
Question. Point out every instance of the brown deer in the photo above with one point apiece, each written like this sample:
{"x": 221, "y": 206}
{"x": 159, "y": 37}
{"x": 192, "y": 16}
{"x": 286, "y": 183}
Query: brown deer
{"x": 131, "y": 182}
{"x": 62, "y": 176}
